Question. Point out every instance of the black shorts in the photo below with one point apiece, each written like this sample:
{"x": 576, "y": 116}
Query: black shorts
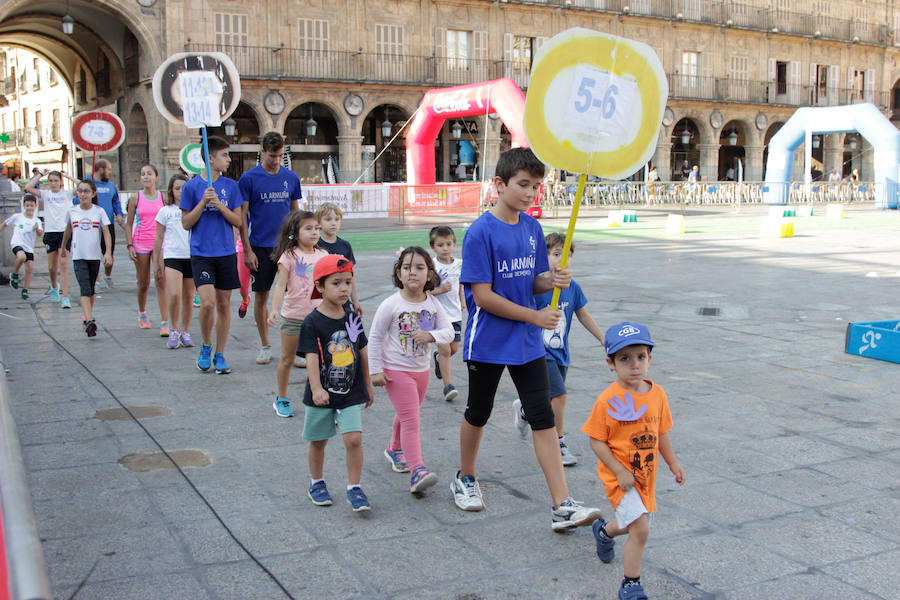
{"x": 183, "y": 265}
{"x": 28, "y": 255}
{"x": 112, "y": 238}
{"x": 86, "y": 272}
{"x": 53, "y": 240}
{"x": 531, "y": 382}
{"x": 219, "y": 271}
{"x": 264, "y": 275}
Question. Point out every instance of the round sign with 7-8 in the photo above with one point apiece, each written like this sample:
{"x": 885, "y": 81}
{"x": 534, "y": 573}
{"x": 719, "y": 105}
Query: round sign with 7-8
{"x": 191, "y": 158}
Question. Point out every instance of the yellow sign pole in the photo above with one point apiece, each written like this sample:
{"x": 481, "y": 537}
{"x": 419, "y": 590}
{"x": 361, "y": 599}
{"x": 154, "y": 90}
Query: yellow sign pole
{"x": 579, "y": 194}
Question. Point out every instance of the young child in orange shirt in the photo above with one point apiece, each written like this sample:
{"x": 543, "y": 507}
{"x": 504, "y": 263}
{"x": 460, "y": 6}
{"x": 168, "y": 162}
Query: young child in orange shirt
{"x": 629, "y": 428}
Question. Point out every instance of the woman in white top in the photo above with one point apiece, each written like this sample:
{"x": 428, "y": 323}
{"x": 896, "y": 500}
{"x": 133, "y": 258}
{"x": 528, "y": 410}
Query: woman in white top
{"x": 172, "y": 251}
{"x": 56, "y": 203}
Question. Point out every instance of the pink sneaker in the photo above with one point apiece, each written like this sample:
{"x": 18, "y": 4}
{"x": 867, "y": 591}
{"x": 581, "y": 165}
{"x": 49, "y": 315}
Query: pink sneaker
{"x": 143, "y": 320}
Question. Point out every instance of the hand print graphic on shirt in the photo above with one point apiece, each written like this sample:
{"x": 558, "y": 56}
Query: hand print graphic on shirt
{"x": 304, "y": 269}
{"x": 338, "y": 372}
{"x": 624, "y": 410}
{"x": 354, "y": 327}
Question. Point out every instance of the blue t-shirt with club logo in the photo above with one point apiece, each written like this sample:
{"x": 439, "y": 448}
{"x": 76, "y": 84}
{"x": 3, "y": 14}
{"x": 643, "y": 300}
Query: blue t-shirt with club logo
{"x": 212, "y": 235}
{"x": 269, "y": 197}
{"x": 508, "y": 257}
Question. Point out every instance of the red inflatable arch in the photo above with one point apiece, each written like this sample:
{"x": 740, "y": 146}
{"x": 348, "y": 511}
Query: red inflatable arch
{"x": 501, "y": 96}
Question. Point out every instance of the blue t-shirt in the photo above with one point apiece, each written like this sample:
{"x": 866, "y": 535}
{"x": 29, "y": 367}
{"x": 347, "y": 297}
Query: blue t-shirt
{"x": 107, "y": 198}
{"x": 212, "y": 235}
{"x": 556, "y": 341}
{"x": 270, "y": 198}
{"x": 508, "y": 257}
{"x": 339, "y": 246}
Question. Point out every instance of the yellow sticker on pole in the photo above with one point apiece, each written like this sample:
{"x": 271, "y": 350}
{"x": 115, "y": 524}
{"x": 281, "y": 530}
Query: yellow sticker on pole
{"x": 595, "y": 103}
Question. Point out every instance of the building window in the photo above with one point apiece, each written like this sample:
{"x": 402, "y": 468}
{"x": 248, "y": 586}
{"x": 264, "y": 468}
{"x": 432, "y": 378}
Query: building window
{"x": 81, "y": 87}
{"x": 739, "y": 83}
{"x": 458, "y": 52}
{"x": 231, "y": 30}
{"x": 692, "y": 10}
{"x": 314, "y": 35}
{"x": 389, "y": 40}
{"x": 521, "y": 54}
{"x": 54, "y": 132}
{"x": 690, "y": 70}
{"x": 857, "y": 85}
{"x": 781, "y": 77}
{"x": 36, "y": 84}
{"x": 52, "y": 78}
{"x": 38, "y": 126}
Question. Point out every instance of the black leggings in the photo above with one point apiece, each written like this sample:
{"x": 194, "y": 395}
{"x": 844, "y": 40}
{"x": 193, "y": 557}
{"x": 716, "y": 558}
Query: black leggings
{"x": 531, "y": 382}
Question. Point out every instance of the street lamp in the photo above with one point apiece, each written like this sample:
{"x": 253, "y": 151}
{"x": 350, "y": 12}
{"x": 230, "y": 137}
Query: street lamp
{"x": 68, "y": 24}
{"x": 733, "y": 137}
{"x": 311, "y": 125}
{"x": 686, "y": 136}
{"x": 230, "y": 126}
{"x": 386, "y": 125}
{"x": 456, "y": 131}
{"x": 815, "y": 142}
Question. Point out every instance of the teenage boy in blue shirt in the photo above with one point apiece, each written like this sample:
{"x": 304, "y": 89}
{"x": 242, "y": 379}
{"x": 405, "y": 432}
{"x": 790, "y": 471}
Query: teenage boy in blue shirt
{"x": 270, "y": 193}
{"x": 211, "y": 211}
{"x": 504, "y": 266}
{"x": 108, "y": 200}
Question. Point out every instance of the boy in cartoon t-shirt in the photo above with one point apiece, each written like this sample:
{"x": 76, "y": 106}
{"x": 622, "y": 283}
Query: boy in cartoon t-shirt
{"x": 629, "y": 428}
{"x": 337, "y": 386}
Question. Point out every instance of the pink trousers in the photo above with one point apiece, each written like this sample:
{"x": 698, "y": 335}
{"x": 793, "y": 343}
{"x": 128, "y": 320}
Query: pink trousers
{"x": 243, "y": 274}
{"x": 407, "y": 391}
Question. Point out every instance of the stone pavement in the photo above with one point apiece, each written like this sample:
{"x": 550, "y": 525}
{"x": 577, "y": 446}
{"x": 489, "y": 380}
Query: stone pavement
{"x": 791, "y": 446}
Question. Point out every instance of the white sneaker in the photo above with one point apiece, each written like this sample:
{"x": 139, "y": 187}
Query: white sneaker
{"x": 572, "y": 514}
{"x": 265, "y": 355}
{"x": 300, "y": 362}
{"x": 466, "y": 493}
{"x": 107, "y": 279}
{"x": 521, "y": 423}
{"x": 568, "y": 459}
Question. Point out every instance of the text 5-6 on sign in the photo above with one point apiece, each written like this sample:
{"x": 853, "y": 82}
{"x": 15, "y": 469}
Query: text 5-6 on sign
{"x": 600, "y": 103}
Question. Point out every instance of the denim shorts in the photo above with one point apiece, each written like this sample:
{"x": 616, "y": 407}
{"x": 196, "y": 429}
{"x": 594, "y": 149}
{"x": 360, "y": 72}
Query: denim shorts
{"x": 557, "y": 374}
{"x": 321, "y": 422}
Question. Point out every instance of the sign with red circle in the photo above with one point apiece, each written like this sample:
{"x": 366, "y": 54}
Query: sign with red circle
{"x": 97, "y": 131}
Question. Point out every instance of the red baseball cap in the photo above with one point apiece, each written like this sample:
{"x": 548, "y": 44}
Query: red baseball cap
{"x": 329, "y": 265}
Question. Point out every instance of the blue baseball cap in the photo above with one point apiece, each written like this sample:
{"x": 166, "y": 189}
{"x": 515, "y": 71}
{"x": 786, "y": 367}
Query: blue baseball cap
{"x": 627, "y": 334}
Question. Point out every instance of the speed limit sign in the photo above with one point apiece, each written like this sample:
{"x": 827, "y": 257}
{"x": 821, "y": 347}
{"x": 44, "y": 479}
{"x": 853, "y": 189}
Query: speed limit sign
{"x": 97, "y": 131}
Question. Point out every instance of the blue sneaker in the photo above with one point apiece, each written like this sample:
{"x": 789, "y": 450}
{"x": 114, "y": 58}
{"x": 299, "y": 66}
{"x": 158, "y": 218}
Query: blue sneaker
{"x": 54, "y": 294}
{"x": 203, "y": 361}
{"x": 283, "y": 407}
{"x": 358, "y": 500}
{"x": 398, "y": 461}
{"x": 605, "y": 545}
{"x": 222, "y": 367}
{"x": 421, "y": 480}
{"x": 318, "y": 493}
{"x": 632, "y": 591}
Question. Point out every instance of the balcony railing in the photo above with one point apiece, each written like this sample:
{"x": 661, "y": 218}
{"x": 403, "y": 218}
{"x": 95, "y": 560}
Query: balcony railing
{"x": 736, "y": 14}
{"x": 257, "y": 62}
{"x": 8, "y": 85}
{"x": 723, "y": 89}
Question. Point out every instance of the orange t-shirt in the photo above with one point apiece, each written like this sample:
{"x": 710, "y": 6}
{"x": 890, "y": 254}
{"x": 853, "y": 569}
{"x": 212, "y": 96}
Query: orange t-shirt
{"x": 635, "y": 443}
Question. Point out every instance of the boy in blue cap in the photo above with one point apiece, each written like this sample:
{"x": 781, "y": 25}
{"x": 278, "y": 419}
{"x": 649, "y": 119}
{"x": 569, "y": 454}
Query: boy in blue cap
{"x": 629, "y": 428}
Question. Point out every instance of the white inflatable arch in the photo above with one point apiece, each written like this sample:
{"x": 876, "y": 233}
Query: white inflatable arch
{"x": 863, "y": 118}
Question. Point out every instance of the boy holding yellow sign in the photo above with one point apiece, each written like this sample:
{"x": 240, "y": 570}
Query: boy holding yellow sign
{"x": 504, "y": 266}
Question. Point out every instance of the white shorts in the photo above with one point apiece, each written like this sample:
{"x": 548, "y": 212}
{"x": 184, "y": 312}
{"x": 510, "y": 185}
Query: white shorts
{"x": 630, "y": 509}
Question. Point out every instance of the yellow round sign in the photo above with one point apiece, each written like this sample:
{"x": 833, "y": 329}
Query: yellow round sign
{"x": 595, "y": 103}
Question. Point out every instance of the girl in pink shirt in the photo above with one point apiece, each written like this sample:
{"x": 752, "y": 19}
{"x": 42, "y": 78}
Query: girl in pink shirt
{"x": 140, "y": 235}
{"x": 296, "y": 254}
{"x": 405, "y": 326}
